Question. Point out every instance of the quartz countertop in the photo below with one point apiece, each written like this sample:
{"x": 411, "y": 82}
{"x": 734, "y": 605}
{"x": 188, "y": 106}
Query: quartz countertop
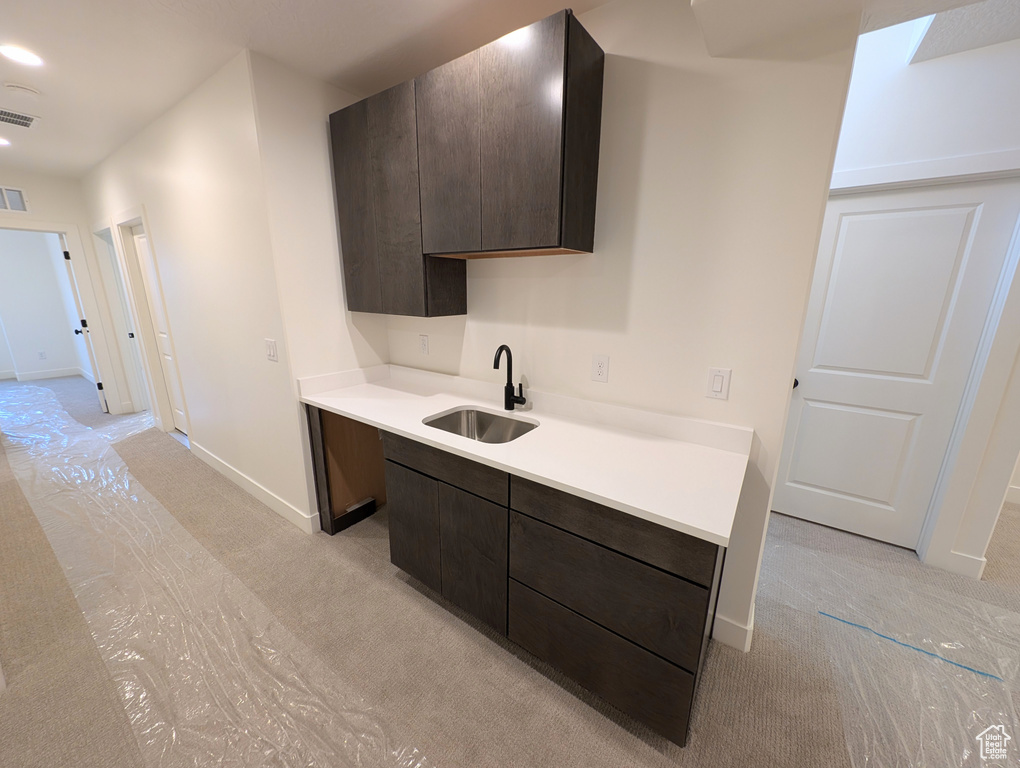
{"x": 680, "y": 473}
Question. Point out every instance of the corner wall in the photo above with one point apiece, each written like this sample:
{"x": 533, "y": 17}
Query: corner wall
{"x": 197, "y": 173}
{"x": 712, "y": 182}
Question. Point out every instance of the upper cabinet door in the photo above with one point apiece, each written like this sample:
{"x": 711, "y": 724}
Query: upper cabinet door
{"x": 355, "y": 207}
{"x": 394, "y": 175}
{"x": 449, "y": 114}
{"x": 521, "y": 77}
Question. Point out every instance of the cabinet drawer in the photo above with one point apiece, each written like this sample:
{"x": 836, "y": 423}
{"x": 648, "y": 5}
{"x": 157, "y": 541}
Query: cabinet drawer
{"x": 656, "y": 610}
{"x": 673, "y": 551}
{"x": 644, "y": 686}
{"x": 479, "y": 479}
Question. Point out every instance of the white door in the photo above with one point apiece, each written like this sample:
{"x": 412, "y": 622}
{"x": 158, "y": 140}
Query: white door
{"x": 84, "y": 331}
{"x": 154, "y": 298}
{"x": 902, "y": 288}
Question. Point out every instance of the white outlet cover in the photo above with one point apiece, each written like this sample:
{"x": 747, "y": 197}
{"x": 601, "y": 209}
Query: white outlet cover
{"x": 600, "y": 368}
{"x": 423, "y": 343}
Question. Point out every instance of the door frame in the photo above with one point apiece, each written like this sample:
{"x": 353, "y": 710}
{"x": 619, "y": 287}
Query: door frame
{"x": 120, "y": 227}
{"x": 94, "y": 300}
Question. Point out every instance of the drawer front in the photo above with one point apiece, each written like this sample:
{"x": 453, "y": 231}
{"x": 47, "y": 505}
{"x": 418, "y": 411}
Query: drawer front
{"x": 413, "y": 504}
{"x": 473, "y": 533}
{"x": 673, "y": 551}
{"x": 479, "y": 479}
{"x": 644, "y": 686}
{"x": 656, "y": 610}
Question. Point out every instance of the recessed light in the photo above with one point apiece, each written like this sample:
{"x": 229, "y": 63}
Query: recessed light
{"x": 20, "y": 55}
{"x": 4, "y": 142}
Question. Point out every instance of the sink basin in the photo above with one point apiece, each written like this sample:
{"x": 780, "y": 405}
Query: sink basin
{"x": 482, "y": 426}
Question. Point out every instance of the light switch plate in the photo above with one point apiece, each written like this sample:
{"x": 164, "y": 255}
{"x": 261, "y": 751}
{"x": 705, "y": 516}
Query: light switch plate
{"x": 271, "y": 352}
{"x": 719, "y": 383}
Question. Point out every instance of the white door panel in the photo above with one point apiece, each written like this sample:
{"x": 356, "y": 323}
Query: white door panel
{"x": 901, "y": 292}
{"x": 157, "y": 311}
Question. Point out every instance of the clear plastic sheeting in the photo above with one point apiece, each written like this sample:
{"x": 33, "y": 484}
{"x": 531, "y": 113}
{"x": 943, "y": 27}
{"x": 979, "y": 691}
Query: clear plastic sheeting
{"x": 206, "y": 673}
{"x": 924, "y": 678}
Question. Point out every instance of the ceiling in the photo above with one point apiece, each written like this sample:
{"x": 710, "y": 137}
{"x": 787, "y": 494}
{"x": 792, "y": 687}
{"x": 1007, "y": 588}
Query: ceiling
{"x": 974, "y": 26}
{"x": 113, "y": 66}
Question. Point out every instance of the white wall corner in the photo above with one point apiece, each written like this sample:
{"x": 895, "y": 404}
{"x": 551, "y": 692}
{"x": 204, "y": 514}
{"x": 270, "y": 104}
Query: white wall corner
{"x": 1012, "y": 495}
{"x": 733, "y": 633}
{"x": 304, "y": 520}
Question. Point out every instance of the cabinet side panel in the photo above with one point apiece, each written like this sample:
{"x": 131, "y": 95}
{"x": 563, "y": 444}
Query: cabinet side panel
{"x": 449, "y": 116}
{"x": 394, "y": 173}
{"x": 582, "y": 134}
{"x": 355, "y": 207}
{"x": 521, "y": 78}
{"x": 413, "y": 504}
{"x": 446, "y": 286}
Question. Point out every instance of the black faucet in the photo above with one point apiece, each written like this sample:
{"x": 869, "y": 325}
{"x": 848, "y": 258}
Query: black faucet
{"x": 509, "y": 398}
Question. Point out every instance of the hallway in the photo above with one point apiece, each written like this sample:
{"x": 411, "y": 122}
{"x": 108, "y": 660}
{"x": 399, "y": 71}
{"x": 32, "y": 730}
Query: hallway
{"x": 154, "y": 614}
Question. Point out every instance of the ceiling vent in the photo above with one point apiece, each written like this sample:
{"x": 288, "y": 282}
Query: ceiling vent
{"x": 16, "y": 118}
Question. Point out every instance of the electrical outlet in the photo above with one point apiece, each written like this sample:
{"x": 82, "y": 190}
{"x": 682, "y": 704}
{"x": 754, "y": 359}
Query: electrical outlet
{"x": 272, "y": 355}
{"x": 42, "y": 355}
{"x": 600, "y": 368}
{"x": 423, "y": 343}
{"x": 719, "y": 383}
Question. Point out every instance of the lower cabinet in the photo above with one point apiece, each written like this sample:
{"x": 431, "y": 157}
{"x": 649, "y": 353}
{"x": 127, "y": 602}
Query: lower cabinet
{"x": 622, "y": 606}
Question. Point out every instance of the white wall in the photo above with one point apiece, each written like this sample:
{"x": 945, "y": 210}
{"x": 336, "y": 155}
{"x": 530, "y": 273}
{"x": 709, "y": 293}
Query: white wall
{"x": 1013, "y": 494}
{"x": 197, "y": 172}
{"x": 36, "y": 319}
{"x": 947, "y": 116}
{"x": 6, "y": 359}
{"x": 712, "y": 182}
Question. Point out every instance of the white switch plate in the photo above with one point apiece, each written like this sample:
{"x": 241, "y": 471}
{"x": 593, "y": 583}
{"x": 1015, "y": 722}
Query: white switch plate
{"x": 600, "y": 368}
{"x": 42, "y": 355}
{"x": 423, "y": 343}
{"x": 271, "y": 354}
{"x": 719, "y": 383}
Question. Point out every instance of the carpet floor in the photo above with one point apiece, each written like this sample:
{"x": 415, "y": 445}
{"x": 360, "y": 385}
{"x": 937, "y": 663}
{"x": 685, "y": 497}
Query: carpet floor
{"x": 447, "y": 685}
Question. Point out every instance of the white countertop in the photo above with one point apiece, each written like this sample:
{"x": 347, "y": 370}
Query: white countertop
{"x": 681, "y": 473}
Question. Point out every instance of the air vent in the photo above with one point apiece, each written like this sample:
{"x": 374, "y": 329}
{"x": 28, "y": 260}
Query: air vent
{"x": 12, "y": 199}
{"x": 16, "y": 118}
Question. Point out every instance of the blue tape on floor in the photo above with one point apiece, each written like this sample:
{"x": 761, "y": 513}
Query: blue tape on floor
{"x": 913, "y": 647}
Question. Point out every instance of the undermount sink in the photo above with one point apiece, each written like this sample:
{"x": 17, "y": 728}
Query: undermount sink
{"x": 478, "y": 425}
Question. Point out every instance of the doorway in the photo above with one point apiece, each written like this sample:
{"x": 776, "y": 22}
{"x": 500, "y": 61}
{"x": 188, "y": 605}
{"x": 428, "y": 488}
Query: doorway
{"x": 46, "y": 334}
{"x": 145, "y": 293}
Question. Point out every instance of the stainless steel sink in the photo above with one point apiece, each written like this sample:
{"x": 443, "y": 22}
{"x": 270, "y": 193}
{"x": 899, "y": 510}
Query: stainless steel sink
{"x": 480, "y": 425}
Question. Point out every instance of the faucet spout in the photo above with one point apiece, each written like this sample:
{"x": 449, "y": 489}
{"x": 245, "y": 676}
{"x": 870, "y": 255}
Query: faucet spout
{"x": 510, "y": 398}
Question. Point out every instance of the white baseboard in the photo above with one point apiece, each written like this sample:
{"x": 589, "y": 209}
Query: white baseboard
{"x": 959, "y": 563}
{"x": 8, "y": 375}
{"x": 308, "y": 524}
{"x": 1013, "y": 494}
{"x": 55, "y": 373}
{"x": 86, "y": 375}
{"x": 733, "y": 633}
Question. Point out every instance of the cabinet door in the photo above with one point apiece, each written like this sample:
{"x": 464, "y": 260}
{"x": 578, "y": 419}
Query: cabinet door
{"x": 474, "y": 552}
{"x": 394, "y": 175}
{"x": 413, "y": 504}
{"x": 449, "y": 115}
{"x": 521, "y": 78}
{"x": 355, "y": 206}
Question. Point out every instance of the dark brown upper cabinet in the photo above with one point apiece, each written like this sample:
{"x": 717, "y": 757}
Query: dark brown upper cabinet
{"x": 508, "y": 144}
{"x": 375, "y": 167}
{"x": 493, "y": 154}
